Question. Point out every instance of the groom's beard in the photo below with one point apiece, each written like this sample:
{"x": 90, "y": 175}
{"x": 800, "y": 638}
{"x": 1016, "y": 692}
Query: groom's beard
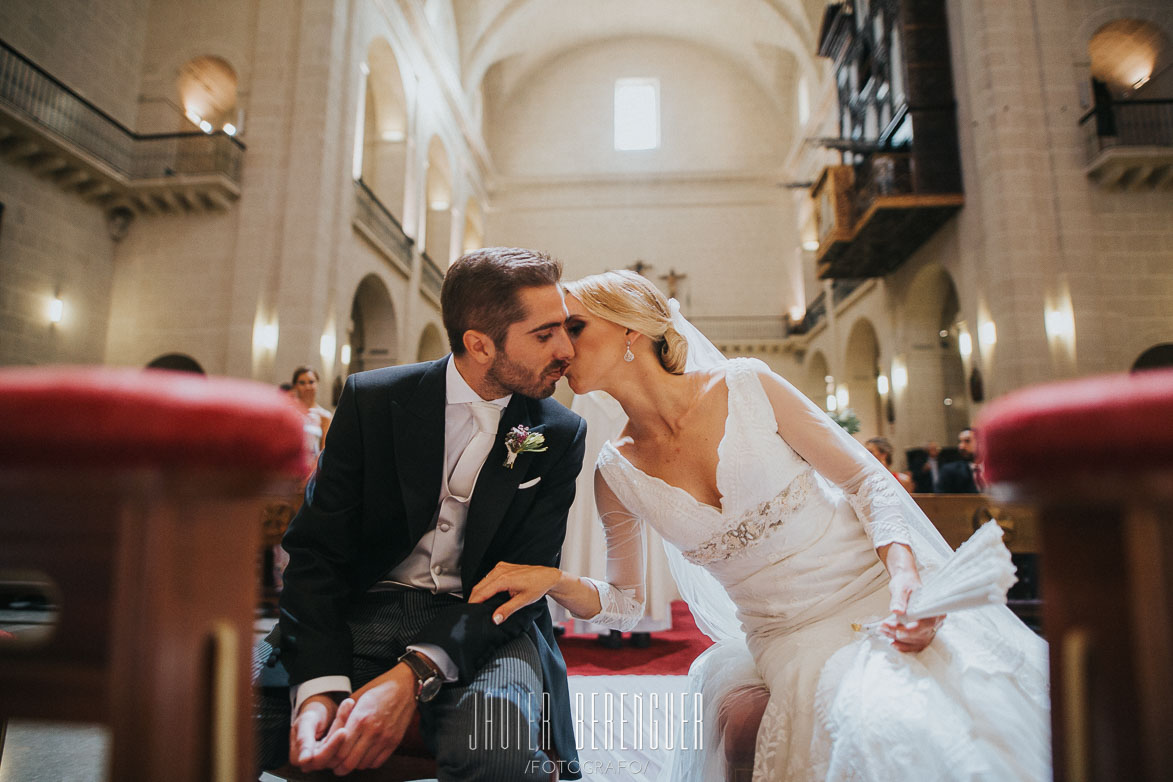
{"x": 515, "y": 378}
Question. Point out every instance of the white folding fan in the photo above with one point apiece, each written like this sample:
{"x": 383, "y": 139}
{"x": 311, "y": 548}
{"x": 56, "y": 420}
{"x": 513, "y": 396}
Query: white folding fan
{"x": 979, "y": 573}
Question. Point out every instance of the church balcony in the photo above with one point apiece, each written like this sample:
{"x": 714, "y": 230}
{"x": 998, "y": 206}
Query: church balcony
{"x": 737, "y": 334}
{"x": 1130, "y": 144}
{"x": 62, "y": 137}
{"x": 376, "y": 223}
{"x": 873, "y": 215}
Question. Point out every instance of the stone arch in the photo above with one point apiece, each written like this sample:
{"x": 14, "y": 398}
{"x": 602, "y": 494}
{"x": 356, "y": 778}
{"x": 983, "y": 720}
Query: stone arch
{"x": 438, "y": 203}
{"x": 1125, "y": 53}
{"x": 862, "y": 367}
{"x": 1098, "y": 19}
{"x": 815, "y": 382}
{"x": 207, "y": 87}
{"x": 934, "y": 333}
{"x": 474, "y": 226}
{"x": 385, "y": 127}
{"x": 177, "y": 362}
{"x": 432, "y": 344}
{"x": 374, "y": 332}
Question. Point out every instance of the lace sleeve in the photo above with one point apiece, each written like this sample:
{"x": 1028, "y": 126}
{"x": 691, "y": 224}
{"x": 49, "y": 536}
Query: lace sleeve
{"x": 622, "y": 594}
{"x": 872, "y": 491}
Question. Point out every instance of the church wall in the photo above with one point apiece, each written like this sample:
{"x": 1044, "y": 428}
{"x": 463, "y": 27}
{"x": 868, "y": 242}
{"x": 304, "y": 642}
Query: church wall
{"x": 706, "y": 203}
{"x": 94, "y": 48}
{"x": 52, "y": 244}
{"x": 558, "y": 121}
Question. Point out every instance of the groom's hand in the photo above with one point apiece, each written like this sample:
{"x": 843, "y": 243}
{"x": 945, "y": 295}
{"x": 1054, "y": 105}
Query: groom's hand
{"x": 311, "y": 748}
{"x": 525, "y": 584}
{"x": 373, "y": 720}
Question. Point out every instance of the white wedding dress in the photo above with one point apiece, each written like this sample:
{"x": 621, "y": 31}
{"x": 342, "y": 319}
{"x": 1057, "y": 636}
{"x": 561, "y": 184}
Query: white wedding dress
{"x": 793, "y": 544}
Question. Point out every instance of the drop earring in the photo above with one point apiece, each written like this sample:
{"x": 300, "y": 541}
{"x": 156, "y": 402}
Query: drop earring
{"x": 629, "y": 356}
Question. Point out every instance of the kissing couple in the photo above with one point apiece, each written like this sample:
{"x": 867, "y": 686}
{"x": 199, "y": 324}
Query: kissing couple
{"x": 433, "y": 525}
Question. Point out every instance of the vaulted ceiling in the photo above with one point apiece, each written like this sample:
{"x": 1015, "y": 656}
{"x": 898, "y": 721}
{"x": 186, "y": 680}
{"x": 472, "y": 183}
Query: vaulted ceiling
{"x": 772, "y": 41}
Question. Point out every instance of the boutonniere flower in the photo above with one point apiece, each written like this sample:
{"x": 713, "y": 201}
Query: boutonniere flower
{"x": 521, "y": 440}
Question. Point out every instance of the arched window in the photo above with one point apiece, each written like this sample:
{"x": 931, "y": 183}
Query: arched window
{"x": 1127, "y": 55}
{"x": 207, "y": 92}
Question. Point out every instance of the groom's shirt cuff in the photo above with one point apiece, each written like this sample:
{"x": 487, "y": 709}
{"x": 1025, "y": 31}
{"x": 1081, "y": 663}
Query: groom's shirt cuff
{"x": 440, "y": 657}
{"x": 298, "y": 693}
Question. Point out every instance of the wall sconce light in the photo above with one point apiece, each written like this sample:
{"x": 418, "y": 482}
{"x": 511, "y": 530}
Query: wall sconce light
{"x": 988, "y": 334}
{"x": 797, "y": 313}
{"x": 345, "y": 356}
{"x": 832, "y": 403}
{"x": 810, "y": 246}
{"x": 326, "y": 348}
{"x": 269, "y": 336}
{"x": 899, "y": 377}
{"x": 1060, "y": 324}
{"x": 965, "y": 344}
{"x": 56, "y": 309}
{"x": 438, "y": 206}
{"x": 842, "y": 396}
{"x": 393, "y": 136}
{"x": 882, "y": 384}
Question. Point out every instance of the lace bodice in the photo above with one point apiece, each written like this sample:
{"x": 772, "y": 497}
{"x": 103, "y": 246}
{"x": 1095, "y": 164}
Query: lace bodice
{"x": 779, "y": 461}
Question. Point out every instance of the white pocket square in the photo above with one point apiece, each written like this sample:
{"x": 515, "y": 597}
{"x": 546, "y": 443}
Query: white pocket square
{"x": 528, "y": 484}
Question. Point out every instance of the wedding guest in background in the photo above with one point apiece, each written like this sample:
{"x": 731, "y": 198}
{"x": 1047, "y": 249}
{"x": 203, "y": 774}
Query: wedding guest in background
{"x": 317, "y": 418}
{"x": 963, "y": 476}
{"x": 881, "y": 448}
{"x": 927, "y": 476}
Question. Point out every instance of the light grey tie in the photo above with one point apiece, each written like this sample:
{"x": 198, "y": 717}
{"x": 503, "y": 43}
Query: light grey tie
{"x": 468, "y": 466}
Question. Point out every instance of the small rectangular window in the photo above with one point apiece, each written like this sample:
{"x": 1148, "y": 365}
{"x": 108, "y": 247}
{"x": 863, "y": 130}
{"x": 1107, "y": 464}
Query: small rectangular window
{"x": 637, "y": 114}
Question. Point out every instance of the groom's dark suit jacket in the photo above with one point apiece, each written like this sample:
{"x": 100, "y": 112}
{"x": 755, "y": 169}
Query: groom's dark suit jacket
{"x": 373, "y": 497}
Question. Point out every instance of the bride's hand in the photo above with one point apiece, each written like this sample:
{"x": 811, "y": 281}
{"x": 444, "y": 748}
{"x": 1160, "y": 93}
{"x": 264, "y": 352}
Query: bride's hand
{"x": 917, "y": 634}
{"x": 525, "y": 584}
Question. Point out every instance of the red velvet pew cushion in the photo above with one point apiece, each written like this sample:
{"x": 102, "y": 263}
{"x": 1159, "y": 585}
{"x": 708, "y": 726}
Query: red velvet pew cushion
{"x": 1103, "y": 425}
{"x": 99, "y": 417}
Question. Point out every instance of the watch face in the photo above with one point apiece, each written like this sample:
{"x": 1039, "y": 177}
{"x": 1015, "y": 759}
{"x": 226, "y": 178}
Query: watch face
{"x": 430, "y": 688}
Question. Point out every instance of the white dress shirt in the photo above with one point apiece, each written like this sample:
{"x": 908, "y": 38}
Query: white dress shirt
{"x": 434, "y": 563}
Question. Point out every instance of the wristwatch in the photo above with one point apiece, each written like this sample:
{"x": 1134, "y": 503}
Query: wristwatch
{"x": 427, "y": 676}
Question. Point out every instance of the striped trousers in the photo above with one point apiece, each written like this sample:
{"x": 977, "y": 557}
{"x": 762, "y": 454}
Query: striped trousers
{"x": 489, "y": 729}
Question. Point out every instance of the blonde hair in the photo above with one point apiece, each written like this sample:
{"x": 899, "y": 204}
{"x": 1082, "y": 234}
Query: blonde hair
{"x": 629, "y": 300}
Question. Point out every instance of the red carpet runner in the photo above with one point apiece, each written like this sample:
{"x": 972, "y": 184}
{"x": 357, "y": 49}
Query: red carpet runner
{"x": 670, "y": 653}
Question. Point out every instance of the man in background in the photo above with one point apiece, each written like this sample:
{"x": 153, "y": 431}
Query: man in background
{"x": 965, "y": 475}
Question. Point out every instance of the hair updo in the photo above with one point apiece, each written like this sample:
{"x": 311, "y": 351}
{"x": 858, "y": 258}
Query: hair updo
{"x": 629, "y": 300}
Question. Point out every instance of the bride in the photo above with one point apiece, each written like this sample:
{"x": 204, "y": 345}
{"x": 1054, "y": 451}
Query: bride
{"x": 780, "y": 518}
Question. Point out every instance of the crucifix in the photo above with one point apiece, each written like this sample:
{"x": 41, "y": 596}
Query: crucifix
{"x": 639, "y": 266}
{"x": 672, "y": 278}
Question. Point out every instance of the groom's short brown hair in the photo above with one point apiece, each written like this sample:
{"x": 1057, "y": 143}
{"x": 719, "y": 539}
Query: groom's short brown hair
{"x": 480, "y": 291}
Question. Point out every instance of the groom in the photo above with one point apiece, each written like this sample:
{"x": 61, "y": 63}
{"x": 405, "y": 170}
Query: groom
{"x": 411, "y": 505}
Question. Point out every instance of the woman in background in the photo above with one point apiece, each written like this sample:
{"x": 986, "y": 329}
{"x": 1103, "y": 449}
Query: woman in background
{"x": 317, "y": 418}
